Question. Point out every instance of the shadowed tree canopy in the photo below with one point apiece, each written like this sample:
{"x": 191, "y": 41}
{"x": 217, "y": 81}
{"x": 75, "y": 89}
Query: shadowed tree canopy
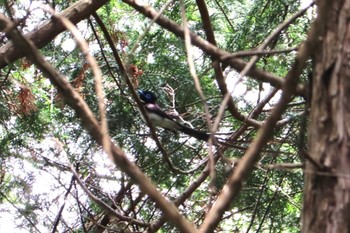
{"x": 78, "y": 153}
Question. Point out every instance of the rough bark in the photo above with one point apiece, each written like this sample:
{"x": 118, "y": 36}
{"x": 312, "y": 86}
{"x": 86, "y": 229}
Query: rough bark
{"x": 327, "y": 185}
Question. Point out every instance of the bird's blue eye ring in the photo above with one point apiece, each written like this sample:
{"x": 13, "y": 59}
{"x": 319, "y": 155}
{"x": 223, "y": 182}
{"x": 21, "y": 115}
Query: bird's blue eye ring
{"x": 148, "y": 96}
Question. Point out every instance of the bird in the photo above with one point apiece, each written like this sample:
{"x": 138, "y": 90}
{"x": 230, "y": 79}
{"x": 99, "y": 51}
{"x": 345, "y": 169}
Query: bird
{"x": 161, "y": 119}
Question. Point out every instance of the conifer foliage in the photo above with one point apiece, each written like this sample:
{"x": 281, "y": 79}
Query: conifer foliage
{"x": 77, "y": 153}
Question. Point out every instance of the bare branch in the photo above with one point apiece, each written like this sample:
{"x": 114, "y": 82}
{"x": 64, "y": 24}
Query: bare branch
{"x": 95, "y": 70}
{"x": 246, "y": 165}
{"x": 101, "y": 203}
{"x": 211, "y": 49}
{"x": 90, "y": 123}
{"x": 48, "y": 30}
{"x": 126, "y": 78}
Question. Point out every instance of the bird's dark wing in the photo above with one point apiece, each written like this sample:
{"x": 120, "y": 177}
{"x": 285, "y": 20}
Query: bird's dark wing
{"x": 194, "y": 133}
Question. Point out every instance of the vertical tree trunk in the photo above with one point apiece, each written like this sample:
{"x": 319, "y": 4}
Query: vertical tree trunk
{"x": 327, "y": 186}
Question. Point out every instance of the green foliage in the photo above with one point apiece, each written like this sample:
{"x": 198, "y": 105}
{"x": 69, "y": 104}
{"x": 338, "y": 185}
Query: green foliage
{"x": 48, "y": 140}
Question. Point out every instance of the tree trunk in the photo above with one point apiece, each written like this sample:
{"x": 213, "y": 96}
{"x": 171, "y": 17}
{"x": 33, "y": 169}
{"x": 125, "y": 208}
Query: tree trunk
{"x": 327, "y": 178}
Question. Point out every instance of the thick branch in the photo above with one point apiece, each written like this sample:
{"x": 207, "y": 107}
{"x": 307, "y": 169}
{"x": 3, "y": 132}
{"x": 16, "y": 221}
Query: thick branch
{"x": 210, "y": 49}
{"x": 48, "y": 30}
{"x": 246, "y": 165}
{"x": 217, "y": 68}
{"x": 90, "y": 123}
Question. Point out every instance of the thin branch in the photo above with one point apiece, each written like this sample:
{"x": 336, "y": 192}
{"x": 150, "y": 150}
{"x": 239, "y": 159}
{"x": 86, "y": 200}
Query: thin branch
{"x": 268, "y": 208}
{"x": 252, "y": 155}
{"x": 225, "y": 15}
{"x": 211, "y": 49}
{"x": 101, "y": 203}
{"x": 136, "y": 44}
{"x": 261, "y": 53}
{"x": 103, "y": 54}
{"x": 258, "y": 200}
{"x": 22, "y": 212}
{"x": 282, "y": 166}
{"x": 90, "y": 123}
{"x": 254, "y": 59}
{"x": 198, "y": 87}
{"x": 125, "y": 76}
{"x": 6, "y": 77}
{"x": 95, "y": 70}
{"x": 59, "y": 214}
{"x": 195, "y": 184}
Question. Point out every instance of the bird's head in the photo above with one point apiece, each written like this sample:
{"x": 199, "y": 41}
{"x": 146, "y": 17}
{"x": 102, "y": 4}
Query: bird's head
{"x": 147, "y": 96}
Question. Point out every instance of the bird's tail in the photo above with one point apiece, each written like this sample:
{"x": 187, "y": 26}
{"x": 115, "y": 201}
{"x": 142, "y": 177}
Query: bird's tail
{"x": 194, "y": 133}
{"x": 200, "y": 135}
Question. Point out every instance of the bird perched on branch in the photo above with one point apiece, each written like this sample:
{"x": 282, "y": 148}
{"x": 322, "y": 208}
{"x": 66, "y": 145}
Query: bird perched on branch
{"x": 161, "y": 119}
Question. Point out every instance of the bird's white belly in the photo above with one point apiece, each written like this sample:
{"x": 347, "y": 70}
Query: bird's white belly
{"x": 160, "y": 121}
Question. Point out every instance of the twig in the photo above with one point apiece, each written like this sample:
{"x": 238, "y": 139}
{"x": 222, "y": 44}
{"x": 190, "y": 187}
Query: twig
{"x": 22, "y": 212}
{"x": 102, "y": 204}
{"x": 59, "y": 214}
{"x": 210, "y": 49}
{"x": 254, "y": 59}
{"x": 244, "y": 168}
{"x": 95, "y": 70}
{"x": 257, "y": 52}
{"x": 164, "y": 7}
{"x": 6, "y": 77}
{"x": 125, "y": 76}
{"x": 90, "y": 123}
{"x": 212, "y": 139}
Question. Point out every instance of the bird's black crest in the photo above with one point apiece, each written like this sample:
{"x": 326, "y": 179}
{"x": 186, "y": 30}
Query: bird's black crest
{"x": 147, "y": 96}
